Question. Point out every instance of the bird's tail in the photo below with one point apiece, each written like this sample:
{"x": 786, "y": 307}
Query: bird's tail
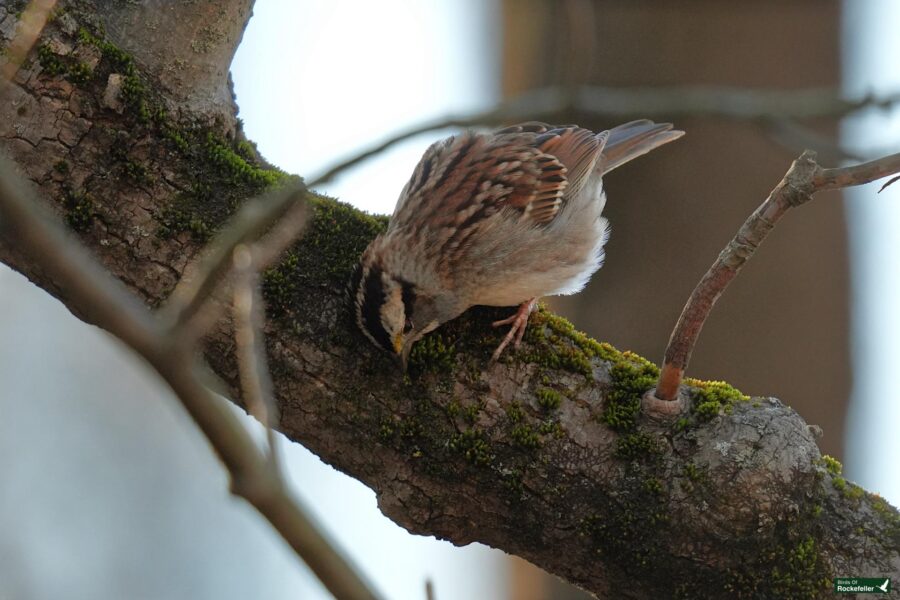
{"x": 634, "y": 139}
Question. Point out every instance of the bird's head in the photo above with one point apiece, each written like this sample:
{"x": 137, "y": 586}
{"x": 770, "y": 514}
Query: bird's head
{"x": 390, "y": 311}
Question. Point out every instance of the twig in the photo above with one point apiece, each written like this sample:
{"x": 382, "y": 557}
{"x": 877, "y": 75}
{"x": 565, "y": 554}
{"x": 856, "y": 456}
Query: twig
{"x": 105, "y": 302}
{"x": 282, "y": 211}
{"x": 804, "y": 179}
{"x": 613, "y": 104}
{"x": 256, "y": 383}
{"x": 30, "y": 25}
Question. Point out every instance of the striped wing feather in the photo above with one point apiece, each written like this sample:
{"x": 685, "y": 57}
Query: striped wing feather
{"x": 531, "y": 168}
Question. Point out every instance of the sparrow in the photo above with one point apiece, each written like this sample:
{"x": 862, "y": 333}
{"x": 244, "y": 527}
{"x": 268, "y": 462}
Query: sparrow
{"x": 494, "y": 219}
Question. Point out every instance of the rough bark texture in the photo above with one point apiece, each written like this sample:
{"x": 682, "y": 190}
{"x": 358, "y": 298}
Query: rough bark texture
{"x": 186, "y": 46}
{"x": 544, "y": 455}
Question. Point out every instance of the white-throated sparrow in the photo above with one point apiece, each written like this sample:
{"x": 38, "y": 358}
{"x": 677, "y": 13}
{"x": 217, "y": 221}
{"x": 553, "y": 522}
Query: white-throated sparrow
{"x": 496, "y": 219}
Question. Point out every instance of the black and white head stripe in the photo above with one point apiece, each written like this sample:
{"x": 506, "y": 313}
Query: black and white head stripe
{"x": 370, "y": 297}
{"x": 383, "y": 306}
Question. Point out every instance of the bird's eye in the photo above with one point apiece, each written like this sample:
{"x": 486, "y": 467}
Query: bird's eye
{"x": 407, "y": 327}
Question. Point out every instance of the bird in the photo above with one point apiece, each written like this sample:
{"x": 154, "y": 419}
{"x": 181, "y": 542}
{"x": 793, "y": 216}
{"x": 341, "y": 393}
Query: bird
{"x": 498, "y": 218}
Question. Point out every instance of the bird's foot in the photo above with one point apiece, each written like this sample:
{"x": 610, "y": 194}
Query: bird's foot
{"x": 519, "y": 322}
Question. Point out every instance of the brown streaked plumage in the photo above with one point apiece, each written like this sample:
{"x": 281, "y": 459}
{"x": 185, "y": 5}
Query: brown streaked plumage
{"x": 497, "y": 219}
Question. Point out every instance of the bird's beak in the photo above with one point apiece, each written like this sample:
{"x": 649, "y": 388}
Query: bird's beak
{"x": 403, "y": 344}
{"x": 402, "y": 348}
{"x": 405, "y": 351}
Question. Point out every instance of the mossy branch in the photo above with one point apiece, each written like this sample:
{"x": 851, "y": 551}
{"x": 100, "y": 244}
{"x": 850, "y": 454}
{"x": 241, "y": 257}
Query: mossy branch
{"x": 545, "y": 454}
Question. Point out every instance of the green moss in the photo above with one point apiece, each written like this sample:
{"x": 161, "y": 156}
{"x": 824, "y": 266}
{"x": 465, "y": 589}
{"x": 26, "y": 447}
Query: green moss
{"x": 636, "y": 445}
{"x": 50, "y": 62}
{"x": 692, "y": 472}
{"x": 220, "y": 177}
{"x": 136, "y": 172}
{"x": 553, "y": 343}
{"x": 626, "y": 528}
{"x": 133, "y": 89}
{"x": 174, "y": 135}
{"x": 713, "y": 397}
{"x": 386, "y": 430}
{"x": 79, "y": 73}
{"x": 523, "y": 435}
{"x": 847, "y": 489}
{"x": 470, "y": 413}
{"x": 514, "y": 412}
{"x": 632, "y": 376}
{"x": 512, "y": 481}
{"x": 246, "y": 149}
{"x": 79, "y": 209}
{"x": 801, "y": 574}
{"x": 831, "y": 464}
{"x": 888, "y": 513}
{"x": 411, "y": 427}
{"x": 473, "y": 446}
{"x": 326, "y": 254}
{"x": 548, "y": 399}
{"x": 433, "y": 353}
{"x": 452, "y": 409}
{"x": 653, "y": 486}
{"x": 551, "y": 427}
{"x": 175, "y": 220}
{"x": 61, "y": 167}
{"x": 854, "y": 492}
{"x": 237, "y": 168}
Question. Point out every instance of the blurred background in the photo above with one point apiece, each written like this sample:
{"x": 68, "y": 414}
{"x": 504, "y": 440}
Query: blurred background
{"x": 94, "y": 453}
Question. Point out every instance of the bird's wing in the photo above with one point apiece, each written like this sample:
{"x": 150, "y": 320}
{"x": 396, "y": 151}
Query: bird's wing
{"x": 530, "y": 168}
{"x": 577, "y": 149}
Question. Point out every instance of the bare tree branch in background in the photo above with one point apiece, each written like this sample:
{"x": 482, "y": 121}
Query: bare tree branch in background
{"x": 31, "y": 24}
{"x": 804, "y": 179}
{"x": 172, "y": 355}
{"x": 560, "y": 104}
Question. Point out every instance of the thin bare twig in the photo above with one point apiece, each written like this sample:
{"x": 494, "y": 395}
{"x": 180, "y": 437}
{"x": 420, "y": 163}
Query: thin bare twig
{"x": 280, "y": 214}
{"x": 104, "y": 301}
{"x": 804, "y": 179}
{"x": 613, "y": 103}
{"x": 889, "y": 183}
{"x": 256, "y": 382}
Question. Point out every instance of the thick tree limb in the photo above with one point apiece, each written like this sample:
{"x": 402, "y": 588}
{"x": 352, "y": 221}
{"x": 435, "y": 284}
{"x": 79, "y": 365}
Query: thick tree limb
{"x": 544, "y": 455}
{"x": 186, "y": 46}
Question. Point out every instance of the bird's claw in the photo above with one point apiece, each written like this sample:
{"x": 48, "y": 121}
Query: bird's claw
{"x": 519, "y": 322}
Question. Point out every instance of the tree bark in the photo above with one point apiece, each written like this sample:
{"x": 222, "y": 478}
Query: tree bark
{"x": 545, "y": 455}
{"x": 187, "y": 47}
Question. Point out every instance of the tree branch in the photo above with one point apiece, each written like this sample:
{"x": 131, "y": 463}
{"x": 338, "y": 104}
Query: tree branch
{"x": 104, "y": 302}
{"x": 804, "y": 179}
{"x": 544, "y": 454}
{"x": 559, "y": 104}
